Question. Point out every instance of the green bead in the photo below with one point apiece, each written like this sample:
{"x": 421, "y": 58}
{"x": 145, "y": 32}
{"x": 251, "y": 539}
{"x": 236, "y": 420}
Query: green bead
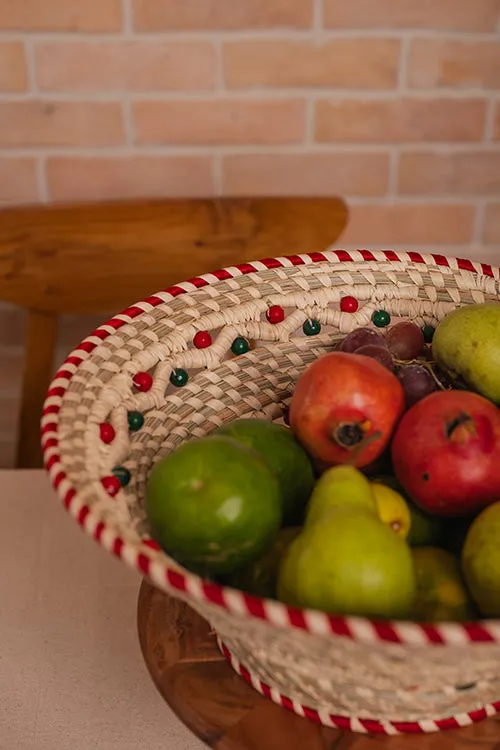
{"x": 179, "y": 377}
{"x": 311, "y": 327}
{"x": 428, "y": 332}
{"x": 240, "y": 346}
{"x": 135, "y": 420}
{"x": 123, "y": 474}
{"x": 381, "y": 318}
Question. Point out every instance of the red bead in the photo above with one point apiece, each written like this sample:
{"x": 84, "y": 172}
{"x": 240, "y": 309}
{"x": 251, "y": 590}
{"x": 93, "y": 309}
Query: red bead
{"x": 143, "y": 381}
{"x": 275, "y": 314}
{"x": 202, "y": 340}
{"x": 111, "y": 484}
{"x": 349, "y": 304}
{"x": 107, "y": 432}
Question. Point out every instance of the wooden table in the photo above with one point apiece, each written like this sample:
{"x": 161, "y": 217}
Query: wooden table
{"x": 227, "y": 714}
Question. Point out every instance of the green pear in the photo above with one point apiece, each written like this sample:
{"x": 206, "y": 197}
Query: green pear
{"x": 352, "y": 563}
{"x": 466, "y": 343}
{"x": 340, "y": 486}
{"x": 481, "y": 560}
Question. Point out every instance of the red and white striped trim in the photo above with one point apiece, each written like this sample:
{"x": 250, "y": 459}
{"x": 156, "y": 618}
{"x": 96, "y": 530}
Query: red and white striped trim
{"x": 172, "y": 579}
{"x": 354, "y": 724}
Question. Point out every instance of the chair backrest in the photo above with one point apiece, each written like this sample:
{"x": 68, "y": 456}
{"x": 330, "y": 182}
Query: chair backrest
{"x": 102, "y": 258}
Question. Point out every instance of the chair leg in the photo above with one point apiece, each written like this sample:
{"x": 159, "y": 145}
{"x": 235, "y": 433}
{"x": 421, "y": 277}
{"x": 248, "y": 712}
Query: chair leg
{"x": 38, "y": 370}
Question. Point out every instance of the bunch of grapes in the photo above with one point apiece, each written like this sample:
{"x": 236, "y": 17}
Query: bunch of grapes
{"x": 397, "y": 350}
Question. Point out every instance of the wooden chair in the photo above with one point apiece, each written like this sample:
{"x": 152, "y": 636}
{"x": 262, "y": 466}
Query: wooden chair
{"x": 101, "y": 258}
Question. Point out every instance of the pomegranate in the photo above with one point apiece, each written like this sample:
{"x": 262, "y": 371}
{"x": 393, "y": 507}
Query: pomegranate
{"x": 446, "y": 453}
{"x": 344, "y": 409}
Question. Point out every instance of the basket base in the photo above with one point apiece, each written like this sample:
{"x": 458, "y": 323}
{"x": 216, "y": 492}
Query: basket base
{"x": 354, "y": 724}
{"x": 195, "y": 680}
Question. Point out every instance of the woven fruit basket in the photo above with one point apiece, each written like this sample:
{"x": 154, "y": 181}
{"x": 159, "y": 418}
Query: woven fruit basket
{"x": 144, "y": 382}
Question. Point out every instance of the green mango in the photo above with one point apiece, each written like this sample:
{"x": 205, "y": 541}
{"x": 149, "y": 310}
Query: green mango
{"x": 466, "y": 344}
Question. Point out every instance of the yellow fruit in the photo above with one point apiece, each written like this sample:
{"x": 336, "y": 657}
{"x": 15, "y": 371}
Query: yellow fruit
{"x": 340, "y": 486}
{"x": 392, "y": 508}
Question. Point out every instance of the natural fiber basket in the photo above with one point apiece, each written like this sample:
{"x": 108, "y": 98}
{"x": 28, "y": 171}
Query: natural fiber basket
{"x": 353, "y": 673}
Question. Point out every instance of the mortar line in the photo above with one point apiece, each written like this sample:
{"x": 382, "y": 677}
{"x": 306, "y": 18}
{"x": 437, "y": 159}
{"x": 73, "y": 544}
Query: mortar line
{"x": 477, "y": 234}
{"x": 127, "y": 16}
{"x": 41, "y": 179}
{"x": 489, "y": 125}
{"x": 241, "y": 34}
{"x": 29, "y": 51}
{"x": 392, "y": 187}
{"x": 404, "y": 58}
{"x": 317, "y": 23}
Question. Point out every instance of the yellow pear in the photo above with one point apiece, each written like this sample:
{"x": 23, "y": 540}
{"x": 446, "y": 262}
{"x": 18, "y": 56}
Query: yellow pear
{"x": 340, "y": 486}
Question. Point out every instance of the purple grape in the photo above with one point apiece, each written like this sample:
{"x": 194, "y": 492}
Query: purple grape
{"x": 417, "y": 383}
{"x": 405, "y": 340}
{"x": 380, "y": 353}
{"x": 361, "y": 337}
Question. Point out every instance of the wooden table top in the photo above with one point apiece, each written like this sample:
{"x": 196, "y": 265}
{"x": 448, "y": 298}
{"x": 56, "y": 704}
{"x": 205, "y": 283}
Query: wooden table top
{"x": 227, "y": 714}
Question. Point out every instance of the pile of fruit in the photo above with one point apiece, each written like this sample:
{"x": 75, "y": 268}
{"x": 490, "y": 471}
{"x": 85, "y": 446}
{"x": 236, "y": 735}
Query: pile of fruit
{"x": 379, "y": 497}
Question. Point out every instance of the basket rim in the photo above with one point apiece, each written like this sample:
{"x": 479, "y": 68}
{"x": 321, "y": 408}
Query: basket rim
{"x": 176, "y": 580}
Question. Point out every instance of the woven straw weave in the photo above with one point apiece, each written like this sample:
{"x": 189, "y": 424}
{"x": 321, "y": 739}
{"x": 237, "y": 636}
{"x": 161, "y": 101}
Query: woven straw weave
{"x": 391, "y": 673}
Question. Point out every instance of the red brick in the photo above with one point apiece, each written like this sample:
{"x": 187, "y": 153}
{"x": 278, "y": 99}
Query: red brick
{"x": 472, "y": 172}
{"x": 491, "y": 234}
{"x": 219, "y": 122}
{"x": 61, "y": 15}
{"x": 306, "y": 174}
{"x": 126, "y": 66}
{"x": 453, "y": 15}
{"x": 13, "y": 72}
{"x": 438, "y": 63}
{"x": 109, "y": 178}
{"x": 284, "y": 63}
{"x": 409, "y": 224}
{"x": 496, "y": 124}
{"x": 18, "y": 182}
{"x": 215, "y": 15}
{"x": 55, "y": 123}
{"x": 400, "y": 120}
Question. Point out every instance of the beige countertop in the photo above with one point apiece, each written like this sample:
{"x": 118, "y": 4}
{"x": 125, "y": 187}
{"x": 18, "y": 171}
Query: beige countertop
{"x": 71, "y": 672}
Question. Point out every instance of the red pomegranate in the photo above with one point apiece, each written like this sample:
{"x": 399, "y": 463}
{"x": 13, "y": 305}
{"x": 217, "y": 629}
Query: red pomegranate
{"x": 344, "y": 409}
{"x": 446, "y": 453}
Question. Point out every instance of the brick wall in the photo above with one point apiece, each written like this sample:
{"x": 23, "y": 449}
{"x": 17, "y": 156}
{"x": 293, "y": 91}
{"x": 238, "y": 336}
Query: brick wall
{"x": 393, "y": 104}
